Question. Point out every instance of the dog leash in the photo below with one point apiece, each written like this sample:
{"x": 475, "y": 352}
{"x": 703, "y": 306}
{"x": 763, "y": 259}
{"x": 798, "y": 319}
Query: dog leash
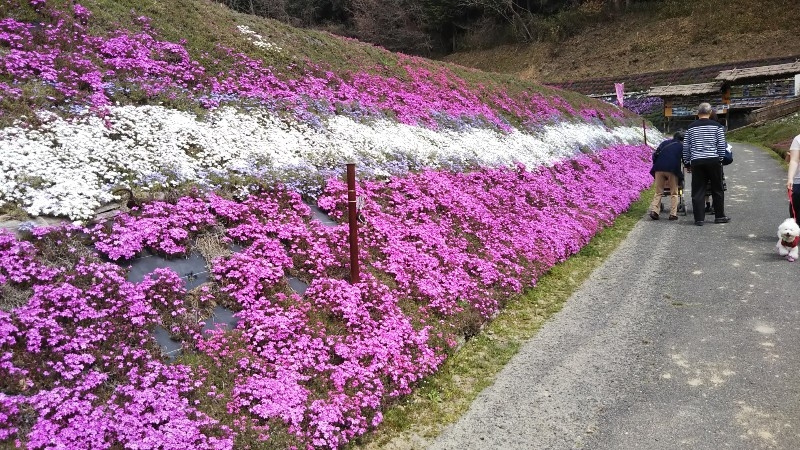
{"x": 791, "y": 204}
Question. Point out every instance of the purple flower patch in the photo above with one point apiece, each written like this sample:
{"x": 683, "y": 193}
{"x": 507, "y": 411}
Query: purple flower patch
{"x": 440, "y": 254}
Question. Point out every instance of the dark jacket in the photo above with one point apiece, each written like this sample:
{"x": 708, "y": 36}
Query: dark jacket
{"x": 667, "y": 157}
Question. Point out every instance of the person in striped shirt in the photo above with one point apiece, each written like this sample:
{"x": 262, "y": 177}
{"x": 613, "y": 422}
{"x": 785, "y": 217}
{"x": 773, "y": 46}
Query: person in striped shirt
{"x": 703, "y": 149}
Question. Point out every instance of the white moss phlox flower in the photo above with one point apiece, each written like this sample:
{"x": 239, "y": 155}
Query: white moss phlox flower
{"x": 67, "y": 168}
{"x": 256, "y": 39}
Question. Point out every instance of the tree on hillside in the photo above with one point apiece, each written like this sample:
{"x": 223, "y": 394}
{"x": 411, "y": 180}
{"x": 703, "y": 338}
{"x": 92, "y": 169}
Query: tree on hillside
{"x": 620, "y": 5}
{"x": 426, "y": 27}
{"x": 397, "y": 25}
{"x": 275, "y": 9}
{"x": 510, "y": 11}
{"x": 314, "y": 13}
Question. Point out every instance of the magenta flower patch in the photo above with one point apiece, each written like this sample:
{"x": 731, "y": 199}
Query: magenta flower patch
{"x": 440, "y": 253}
{"x": 92, "y": 71}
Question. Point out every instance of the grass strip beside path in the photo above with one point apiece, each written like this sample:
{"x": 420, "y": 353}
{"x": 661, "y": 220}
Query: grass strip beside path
{"x": 775, "y": 135}
{"x": 445, "y": 396}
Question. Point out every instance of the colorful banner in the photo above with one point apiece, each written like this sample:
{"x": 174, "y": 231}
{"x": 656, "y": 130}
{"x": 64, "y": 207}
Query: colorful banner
{"x": 620, "y": 88}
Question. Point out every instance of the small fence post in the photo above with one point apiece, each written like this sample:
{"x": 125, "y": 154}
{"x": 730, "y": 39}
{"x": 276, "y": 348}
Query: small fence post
{"x": 644, "y": 130}
{"x": 352, "y": 217}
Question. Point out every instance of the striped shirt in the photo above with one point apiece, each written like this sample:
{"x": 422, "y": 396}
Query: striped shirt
{"x": 705, "y": 139}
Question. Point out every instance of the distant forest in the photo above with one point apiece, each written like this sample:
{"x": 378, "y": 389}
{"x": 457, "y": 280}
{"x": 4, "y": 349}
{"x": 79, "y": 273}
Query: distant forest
{"x": 439, "y": 27}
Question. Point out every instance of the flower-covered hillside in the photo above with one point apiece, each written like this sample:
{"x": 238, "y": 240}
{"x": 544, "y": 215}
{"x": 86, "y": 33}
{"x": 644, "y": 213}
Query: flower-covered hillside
{"x": 74, "y": 95}
{"x": 473, "y": 186}
{"x": 441, "y": 253}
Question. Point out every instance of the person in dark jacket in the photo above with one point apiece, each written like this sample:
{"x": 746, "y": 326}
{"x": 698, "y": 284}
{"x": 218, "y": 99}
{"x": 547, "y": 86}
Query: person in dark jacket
{"x": 703, "y": 150}
{"x": 667, "y": 172}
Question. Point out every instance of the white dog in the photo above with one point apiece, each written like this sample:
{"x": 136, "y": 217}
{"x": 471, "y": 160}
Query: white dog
{"x": 789, "y": 238}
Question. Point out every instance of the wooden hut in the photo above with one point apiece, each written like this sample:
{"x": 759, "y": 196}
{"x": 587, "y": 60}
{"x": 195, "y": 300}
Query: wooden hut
{"x": 681, "y": 102}
{"x": 757, "y": 87}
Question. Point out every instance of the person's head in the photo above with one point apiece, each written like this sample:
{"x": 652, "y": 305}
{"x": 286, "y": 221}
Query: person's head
{"x": 679, "y": 135}
{"x": 704, "y": 110}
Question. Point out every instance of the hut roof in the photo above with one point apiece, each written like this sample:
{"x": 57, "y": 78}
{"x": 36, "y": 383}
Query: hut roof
{"x": 682, "y": 90}
{"x": 759, "y": 72}
{"x": 641, "y": 82}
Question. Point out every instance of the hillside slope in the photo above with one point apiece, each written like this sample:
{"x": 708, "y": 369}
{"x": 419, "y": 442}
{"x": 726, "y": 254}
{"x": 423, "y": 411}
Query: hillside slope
{"x": 659, "y": 36}
{"x": 216, "y": 310}
{"x": 97, "y": 69}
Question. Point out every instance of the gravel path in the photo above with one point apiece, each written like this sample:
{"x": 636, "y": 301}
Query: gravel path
{"x": 686, "y": 337}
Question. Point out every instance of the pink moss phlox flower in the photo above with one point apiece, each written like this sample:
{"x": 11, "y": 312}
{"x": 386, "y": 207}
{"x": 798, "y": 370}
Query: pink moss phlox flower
{"x": 18, "y": 262}
{"x": 164, "y": 291}
{"x": 149, "y": 410}
{"x": 514, "y": 225}
{"x": 250, "y": 273}
{"x": 161, "y": 227}
{"x": 9, "y": 410}
{"x": 95, "y": 70}
{"x": 441, "y": 252}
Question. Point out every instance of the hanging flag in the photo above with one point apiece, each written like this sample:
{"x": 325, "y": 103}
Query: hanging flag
{"x": 620, "y": 87}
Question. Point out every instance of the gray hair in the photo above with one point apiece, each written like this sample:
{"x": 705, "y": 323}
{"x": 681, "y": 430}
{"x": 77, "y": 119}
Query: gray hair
{"x": 704, "y": 108}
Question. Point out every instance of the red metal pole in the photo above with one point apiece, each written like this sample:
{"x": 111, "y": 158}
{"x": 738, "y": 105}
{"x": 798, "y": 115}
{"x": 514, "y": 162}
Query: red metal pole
{"x": 644, "y": 130}
{"x": 352, "y": 217}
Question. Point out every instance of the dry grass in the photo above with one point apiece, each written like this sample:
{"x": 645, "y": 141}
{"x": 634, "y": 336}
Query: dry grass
{"x": 211, "y": 246}
{"x": 193, "y": 302}
{"x": 661, "y": 36}
{"x": 60, "y": 250}
{"x": 13, "y": 296}
{"x": 11, "y": 211}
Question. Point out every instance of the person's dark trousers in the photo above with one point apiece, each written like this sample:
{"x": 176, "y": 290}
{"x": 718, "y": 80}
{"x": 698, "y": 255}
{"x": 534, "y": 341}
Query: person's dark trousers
{"x": 703, "y": 171}
{"x": 795, "y": 200}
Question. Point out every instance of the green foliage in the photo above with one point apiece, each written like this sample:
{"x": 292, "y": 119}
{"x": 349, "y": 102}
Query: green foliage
{"x": 775, "y": 134}
{"x": 34, "y": 98}
{"x": 655, "y": 117}
{"x": 21, "y": 8}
